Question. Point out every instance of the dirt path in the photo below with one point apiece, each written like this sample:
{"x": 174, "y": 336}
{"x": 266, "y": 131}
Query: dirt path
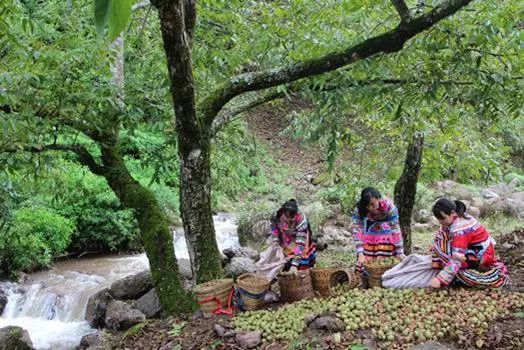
{"x": 270, "y": 125}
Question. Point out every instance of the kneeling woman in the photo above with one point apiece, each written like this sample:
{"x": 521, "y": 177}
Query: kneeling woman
{"x": 464, "y": 250}
{"x": 291, "y": 230}
{"x": 376, "y": 228}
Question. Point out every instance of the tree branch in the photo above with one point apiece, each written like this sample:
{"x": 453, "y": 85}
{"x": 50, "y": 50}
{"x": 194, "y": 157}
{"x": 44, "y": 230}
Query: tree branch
{"x": 228, "y": 114}
{"x": 402, "y": 9}
{"x": 389, "y": 81}
{"x": 391, "y": 41}
{"x": 84, "y": 157}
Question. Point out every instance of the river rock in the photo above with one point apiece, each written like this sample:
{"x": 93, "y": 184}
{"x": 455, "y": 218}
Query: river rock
{"x": 334, "y": 235}
{"x": 239, "y": 266}
{"x": 329, "y": 323}
{"x": 3, "y": 300}
{"x": 120, "y": 316}
{"x": 255, "y": 228}
{"x": 241, "y": 252}
{"x": 98, "y": 340}
{"x": 219, "y": 330}
{"x": 132, "y": 287}
{"x": 516, "y": 204}
{"x": 149, "y": 304}
{"x": 248, "y": 340}
{"x": 96, "y": 308}
{"x": 449, "y": 188}
{"x": 15, "y": 338}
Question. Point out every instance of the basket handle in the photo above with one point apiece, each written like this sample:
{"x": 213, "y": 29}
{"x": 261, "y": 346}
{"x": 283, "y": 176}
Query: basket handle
{"x": 219, "y": 310}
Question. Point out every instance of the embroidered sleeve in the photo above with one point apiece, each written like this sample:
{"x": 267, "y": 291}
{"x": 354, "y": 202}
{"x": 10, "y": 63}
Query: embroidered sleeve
{"x": 442, "y": 259}
{"x": 358, "y": 231}
{"x": 448, "y": 273}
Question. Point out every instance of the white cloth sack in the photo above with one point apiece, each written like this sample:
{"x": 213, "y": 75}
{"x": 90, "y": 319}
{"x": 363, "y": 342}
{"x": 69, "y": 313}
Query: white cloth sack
{"x": 414, "y": 271}
{"x": 271, "y": 262}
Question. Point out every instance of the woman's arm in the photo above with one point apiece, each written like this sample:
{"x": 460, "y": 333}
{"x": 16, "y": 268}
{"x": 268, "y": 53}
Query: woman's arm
{"x": 443, "y": 258}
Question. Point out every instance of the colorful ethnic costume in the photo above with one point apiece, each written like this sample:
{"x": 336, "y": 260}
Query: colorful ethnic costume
{"x": 378, "y": 235}
{"x": 465, "y": 251}
{"x": 295, "y": 239}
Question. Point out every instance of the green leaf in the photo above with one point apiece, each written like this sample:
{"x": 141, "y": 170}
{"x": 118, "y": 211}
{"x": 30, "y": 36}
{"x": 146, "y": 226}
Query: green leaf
{"x": 119, "y": 13}
{"x": 114, "y": 13}
{"x": 101, "y": 14}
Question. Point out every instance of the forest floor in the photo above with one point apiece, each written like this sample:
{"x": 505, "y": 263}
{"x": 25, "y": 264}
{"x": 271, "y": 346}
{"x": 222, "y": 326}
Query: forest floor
{"x": 192, "y": 332}
{"x": 268, "y": 124}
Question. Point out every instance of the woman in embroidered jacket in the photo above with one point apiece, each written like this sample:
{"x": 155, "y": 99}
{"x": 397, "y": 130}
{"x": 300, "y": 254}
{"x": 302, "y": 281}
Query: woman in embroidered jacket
{"x": 464, "y": 251}
{"x": 376, "y": 228}
{"x": 291, "y": 230}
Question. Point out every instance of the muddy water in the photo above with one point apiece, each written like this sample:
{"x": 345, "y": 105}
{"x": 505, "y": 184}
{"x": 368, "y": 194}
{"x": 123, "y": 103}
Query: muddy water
{"x": 51, "y": 305}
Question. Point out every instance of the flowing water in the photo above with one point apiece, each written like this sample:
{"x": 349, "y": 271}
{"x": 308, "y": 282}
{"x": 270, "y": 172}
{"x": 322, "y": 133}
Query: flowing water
{"x": 51, "y": 305}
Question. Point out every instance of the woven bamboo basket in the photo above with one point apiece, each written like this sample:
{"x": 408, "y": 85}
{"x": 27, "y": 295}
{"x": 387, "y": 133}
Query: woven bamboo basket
{"x": 324, "y": 279}
{"x": 345, "y": 276}
{"x": 321, "y": 278}
{"x": 254, "y": 285}
{"x": 216, "y": 288}
{"x": 375, "y": 274}
{"x": 294, "y": 288}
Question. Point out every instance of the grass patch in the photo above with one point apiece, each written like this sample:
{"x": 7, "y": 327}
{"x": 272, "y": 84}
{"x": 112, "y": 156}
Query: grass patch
{"x": 500, "y": 224}
{"x": 134, "y": 330}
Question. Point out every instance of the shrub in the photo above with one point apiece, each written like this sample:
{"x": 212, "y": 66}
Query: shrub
{"x": 34, "y": 237}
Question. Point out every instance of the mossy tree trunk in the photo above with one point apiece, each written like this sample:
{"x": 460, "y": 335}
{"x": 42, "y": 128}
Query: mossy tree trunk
{"x": 194, "y": 140}
{"x": 406, "y": 188}
{"x": 154, "y": 226}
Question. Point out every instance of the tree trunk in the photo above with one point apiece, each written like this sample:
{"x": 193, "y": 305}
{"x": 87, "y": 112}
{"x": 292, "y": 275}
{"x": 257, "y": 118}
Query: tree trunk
{"x": 194, "y": 140}
{"x": 406, "y": 188}
{"x": 195, "y": 207}
{"x": 154, "y": 226}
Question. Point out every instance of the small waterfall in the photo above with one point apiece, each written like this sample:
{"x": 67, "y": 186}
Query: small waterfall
{"x": 51, "y": 307}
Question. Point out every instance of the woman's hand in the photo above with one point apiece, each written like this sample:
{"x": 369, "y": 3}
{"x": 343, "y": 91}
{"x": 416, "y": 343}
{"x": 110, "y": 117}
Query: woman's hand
{"x": 434, "y": 283}
{"x": 361, "y": 258}
{"x": 293, "y": 270}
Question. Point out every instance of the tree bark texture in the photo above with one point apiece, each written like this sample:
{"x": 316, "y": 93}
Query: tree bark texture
{"x": 406, "y": 188}
{"x": 154, "y": 226}
{"x": 194, "y": 141}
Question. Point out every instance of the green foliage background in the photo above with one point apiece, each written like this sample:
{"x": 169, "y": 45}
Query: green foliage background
{"x": 460, "y": 83}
